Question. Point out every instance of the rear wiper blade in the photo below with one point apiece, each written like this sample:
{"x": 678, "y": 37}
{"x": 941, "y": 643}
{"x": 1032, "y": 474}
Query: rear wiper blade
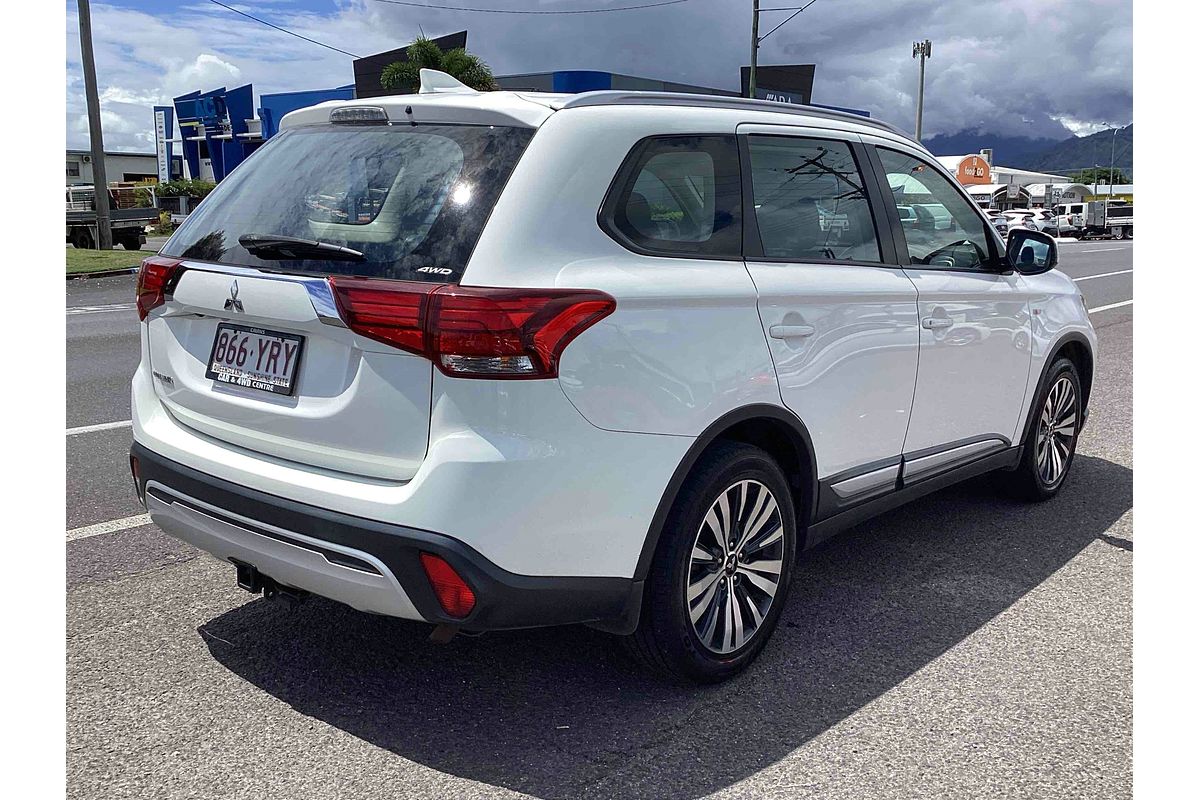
{"x": 275, "y": 246}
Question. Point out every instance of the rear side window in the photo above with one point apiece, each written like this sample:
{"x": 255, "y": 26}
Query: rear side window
{"x": 809, "y": 201}
{"x": 678, "y": 196}
{"x": 412, "y": 199}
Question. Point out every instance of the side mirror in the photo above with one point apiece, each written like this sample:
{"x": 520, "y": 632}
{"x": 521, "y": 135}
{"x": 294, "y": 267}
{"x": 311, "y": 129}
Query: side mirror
{"x": 1031, "y": 252}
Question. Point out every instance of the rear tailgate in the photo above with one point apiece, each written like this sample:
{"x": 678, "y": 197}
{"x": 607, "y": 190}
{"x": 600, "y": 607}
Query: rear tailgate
{"x": 389, "y": 204}
{"x": 357, "y": 405}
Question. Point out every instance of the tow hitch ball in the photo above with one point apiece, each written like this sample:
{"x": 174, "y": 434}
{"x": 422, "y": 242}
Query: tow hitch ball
{"x": 253, "y": 581}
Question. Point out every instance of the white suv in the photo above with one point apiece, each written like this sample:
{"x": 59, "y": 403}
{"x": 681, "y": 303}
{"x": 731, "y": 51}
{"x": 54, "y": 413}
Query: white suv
{"x": 513, "y": 359}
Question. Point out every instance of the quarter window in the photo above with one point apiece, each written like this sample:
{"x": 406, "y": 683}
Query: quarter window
{"x": 679, "y": 196}
{"x": 809, "y": 201}
{"x": 948, "y": 232}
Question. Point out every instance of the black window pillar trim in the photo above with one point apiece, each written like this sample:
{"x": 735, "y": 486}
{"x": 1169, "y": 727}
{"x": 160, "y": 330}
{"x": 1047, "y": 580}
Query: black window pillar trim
{"x": 883, "y": 193}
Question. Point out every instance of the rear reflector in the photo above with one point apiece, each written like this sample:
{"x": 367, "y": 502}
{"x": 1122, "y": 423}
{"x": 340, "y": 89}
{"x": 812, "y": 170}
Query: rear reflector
{"x": 453, "y": 593}
{"x": 472, "y": 332}
{"x": 155, "y": 281}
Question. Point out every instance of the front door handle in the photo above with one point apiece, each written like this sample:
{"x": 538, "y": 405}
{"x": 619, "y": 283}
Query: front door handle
{"x": 932, "y": 323}
{"x": 791, "y": 331}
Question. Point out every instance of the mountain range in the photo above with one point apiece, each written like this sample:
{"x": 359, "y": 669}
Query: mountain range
{"x": 1043, "y": 155}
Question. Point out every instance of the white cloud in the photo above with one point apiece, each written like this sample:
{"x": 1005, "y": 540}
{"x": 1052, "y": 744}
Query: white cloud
{"x": 1022, "y": 67}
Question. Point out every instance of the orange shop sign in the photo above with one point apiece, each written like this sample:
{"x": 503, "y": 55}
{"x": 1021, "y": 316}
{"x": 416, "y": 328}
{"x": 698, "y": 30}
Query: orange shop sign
{"x": 973, "y": 170}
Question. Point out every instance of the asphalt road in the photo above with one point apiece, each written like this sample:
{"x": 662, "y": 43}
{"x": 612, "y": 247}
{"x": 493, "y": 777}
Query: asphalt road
{"x": 963, "y": 646}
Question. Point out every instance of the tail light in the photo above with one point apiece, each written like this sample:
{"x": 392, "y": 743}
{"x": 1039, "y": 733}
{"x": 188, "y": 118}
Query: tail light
{"x": 472, "y": 332}
{"x": 453, "y": 593}
{"x": 155, "y": 280}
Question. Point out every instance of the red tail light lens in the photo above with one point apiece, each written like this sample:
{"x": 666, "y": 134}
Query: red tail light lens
{"x": 472, "y": 332}
{"x": 453, "y": 593}
{"x": 392, "y": 312}
{"x": 155, "y": 280}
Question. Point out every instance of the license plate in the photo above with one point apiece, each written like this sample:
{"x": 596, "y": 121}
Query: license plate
{"x": 255, "y": 358}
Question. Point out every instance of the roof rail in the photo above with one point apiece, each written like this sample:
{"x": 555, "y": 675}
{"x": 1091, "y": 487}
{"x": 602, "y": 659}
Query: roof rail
{"x": 614, "y": 97}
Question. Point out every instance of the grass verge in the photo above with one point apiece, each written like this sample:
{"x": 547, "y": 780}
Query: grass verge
{"x": 81, "y": 261}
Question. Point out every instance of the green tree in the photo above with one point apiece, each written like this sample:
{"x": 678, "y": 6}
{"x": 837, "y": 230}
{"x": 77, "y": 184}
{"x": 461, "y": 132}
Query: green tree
{"x": 1099, "y": 175}
{"x": 405, "y": 76}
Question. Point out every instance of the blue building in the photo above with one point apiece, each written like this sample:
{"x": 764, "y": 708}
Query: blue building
{"x": 220, "y": 128}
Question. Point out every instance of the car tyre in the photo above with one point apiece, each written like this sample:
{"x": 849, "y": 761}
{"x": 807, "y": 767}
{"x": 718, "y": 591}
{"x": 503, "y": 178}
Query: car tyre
{"x": 710, "y": 606}
{"x": 1049, "y": 447}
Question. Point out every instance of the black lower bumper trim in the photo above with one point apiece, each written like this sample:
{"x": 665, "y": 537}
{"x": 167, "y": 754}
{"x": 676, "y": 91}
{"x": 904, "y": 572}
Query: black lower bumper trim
{"x": 503, "y": 599}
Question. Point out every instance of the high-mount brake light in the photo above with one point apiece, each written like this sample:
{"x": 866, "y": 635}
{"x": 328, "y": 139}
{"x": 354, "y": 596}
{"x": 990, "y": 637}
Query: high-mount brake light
{"x": 358, "y": 115}
{"x": 472, "y": 332}
{"x": 156, "y": 279}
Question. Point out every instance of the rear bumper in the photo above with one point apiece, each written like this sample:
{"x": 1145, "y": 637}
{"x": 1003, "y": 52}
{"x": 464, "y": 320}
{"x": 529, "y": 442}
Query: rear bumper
{"x": 372, "y": 566}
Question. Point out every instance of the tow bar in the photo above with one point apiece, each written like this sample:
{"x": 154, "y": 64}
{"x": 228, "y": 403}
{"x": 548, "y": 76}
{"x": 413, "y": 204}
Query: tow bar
{"x": 254, "y": 582}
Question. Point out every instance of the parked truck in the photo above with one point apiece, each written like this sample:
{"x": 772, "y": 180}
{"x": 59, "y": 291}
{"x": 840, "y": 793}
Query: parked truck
{"x": 127, "y": 221}
{"x": 1111, "y": 218}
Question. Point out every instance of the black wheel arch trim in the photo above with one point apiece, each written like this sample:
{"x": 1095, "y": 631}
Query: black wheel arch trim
{"x": 1056, "y": 351}
{"x": 799, "y": 439}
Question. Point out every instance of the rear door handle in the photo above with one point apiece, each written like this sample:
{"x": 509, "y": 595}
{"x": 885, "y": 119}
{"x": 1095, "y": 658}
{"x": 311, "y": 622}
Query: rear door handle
{"x": 791, "y": 331}
{"x": 930, "y": 323}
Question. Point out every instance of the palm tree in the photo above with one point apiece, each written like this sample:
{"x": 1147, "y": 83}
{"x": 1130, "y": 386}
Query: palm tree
{"x": 405, "y": 76}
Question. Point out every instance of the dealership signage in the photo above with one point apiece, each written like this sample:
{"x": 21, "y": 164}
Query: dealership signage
{"x": 164, "y": 124}
{"x": 778, "y": 96}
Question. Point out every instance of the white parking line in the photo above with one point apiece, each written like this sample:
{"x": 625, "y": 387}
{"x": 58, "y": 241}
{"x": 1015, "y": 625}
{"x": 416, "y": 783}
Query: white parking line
{"x": 1110, "y": 305}
{"x": 103, "y": 426}
{"x": 101, "y": 309}
{"x": 108, "y": 527}
{"x": 1103, "y": 250}
{"x": 1102, "y": 275}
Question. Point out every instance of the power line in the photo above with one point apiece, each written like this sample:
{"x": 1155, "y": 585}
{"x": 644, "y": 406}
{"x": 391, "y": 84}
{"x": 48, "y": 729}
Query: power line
{"x": 537, "y": 12}
{"x": 284, "y": 30}
{"x": 786, "y": 21}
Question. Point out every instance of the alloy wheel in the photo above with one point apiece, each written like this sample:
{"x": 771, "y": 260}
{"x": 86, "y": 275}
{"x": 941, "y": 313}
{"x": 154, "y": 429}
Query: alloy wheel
{"x": 1057, "y": 429}
{"x": 735, "y": 565}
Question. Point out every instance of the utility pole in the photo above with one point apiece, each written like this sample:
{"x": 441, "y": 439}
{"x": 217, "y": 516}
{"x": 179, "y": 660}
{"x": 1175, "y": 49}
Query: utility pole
{"x": 99, "y": 178}
{"x": 921, "y": 50}
{"x": 754, "y": 40}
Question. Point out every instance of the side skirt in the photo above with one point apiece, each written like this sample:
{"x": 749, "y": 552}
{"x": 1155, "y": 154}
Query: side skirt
{"x": 821, "y": 531}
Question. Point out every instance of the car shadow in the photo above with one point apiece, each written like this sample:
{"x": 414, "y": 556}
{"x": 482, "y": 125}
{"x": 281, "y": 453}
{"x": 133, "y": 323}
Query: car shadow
{"x": 565, "y": 713}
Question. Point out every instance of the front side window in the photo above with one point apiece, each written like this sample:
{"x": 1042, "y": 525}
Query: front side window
{"x": 412, "y": 200}
{"x": 948, "y": 232}
{"x": 679, "y": 196}
{"x": 809, "y": 200}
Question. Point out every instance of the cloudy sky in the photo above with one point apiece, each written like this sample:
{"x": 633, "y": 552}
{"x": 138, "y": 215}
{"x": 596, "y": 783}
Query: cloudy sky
{"x": 1017, "y": 67}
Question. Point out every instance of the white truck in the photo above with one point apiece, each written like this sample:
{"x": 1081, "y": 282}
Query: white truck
{"x": 1111, "y": 218}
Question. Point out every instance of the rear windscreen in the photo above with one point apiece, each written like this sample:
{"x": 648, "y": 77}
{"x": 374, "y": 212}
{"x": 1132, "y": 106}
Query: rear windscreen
{"x": 412, "y": 199}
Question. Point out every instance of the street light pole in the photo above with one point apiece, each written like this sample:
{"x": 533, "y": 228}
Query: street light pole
{"x": 921, "y": 50}
{"x": 99, "y": 178}
{"x": 1112, "y": 153}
